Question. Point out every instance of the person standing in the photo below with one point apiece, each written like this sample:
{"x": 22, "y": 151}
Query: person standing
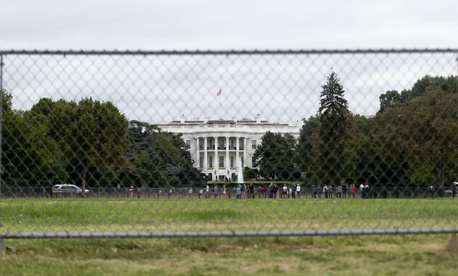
{"x": 293, "y": 190}
{"x": 284, "y": 191}
{"x": 238, "y": 191}
{"x": 325, "y": 190}
{"x": 353, "y": 190}
{"x": 251, "y": 191}
{"x": 215, "y": 191}
{"x": 315, "y": 190}
{"x": 298, "y": 190}
{"x": 431, "y": 189}
{"x": 207, "y": 191}
{"x": 243, "y": 190}
{"x": 339, "y": 192}
{"x": 262, "y": 191}
{"x": 361, "y": 190}
{"x": 131, "y": 191}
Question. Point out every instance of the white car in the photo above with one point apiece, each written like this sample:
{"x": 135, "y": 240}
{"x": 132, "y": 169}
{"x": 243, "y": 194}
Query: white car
{"x": 451, "y": 191}
{"x": 68, "y": 189}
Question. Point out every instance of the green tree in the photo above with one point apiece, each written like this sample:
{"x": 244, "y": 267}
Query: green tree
{"x": 91, "y": 134}
{"x": 392, "y": 97}
{"x": 158, "y": 158}
{"x": 333, "y": 131}
{"x": 424, "y": 131}
{"x": 274, "y": 156}
{"x": 29, "y": 156}
{"x": 420, "y": 88}
{"x": 306, "y": 155}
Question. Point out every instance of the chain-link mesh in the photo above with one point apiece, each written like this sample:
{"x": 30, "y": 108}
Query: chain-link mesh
{"x": 224, "y": 143}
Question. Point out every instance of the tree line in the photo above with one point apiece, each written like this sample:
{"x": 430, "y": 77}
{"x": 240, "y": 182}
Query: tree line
{"x": 88, "y": 143}
{"x": 412, "y": 139}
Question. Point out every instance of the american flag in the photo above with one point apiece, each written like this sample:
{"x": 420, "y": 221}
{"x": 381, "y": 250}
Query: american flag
{"x": 219, "y": 93}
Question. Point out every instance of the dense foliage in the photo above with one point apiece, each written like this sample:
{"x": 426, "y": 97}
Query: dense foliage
{"x": 88, "y": 143}
{"x": 412, "y": 140}
{"x": 424, "y": 132}
{"x": 158, "y": 158}
{"x": 274, "y": 157}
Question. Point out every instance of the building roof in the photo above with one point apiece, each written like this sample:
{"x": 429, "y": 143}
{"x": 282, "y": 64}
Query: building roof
{"x": 221, "y": 121}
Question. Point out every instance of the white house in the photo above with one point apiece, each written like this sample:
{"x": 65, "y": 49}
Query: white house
{"x": 216, "y": 145}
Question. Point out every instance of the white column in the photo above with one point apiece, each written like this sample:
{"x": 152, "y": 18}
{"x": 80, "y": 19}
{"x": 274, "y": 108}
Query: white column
{"x": 215, "y": 165}
{"x": 237, "y": 147}
{"x": 197, "y": 152}
{"x": 227, "y": 154}
{"x": 205, "y": 154}
{"x": 245, "y": 150}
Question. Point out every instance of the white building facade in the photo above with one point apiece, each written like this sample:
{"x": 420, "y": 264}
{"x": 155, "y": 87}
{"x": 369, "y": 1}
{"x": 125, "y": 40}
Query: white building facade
{"x": 217, "y": 145}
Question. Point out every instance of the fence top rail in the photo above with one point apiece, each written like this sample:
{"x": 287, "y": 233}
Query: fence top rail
{"x": 220, "y": 234}
{"x": 227, "y": 52}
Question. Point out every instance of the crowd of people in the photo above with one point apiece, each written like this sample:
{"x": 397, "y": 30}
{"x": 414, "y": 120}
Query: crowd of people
{"x": 249, "y": 190}
{"x": 274, "y": 190}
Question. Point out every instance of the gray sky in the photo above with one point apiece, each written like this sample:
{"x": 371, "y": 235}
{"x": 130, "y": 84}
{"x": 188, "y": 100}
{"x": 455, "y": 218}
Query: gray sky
{"x": 227, "y": 25}
{"x": 235, "y": 24}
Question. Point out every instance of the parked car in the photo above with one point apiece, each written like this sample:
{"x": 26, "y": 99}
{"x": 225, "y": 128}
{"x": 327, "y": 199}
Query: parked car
{"x": 68, "y": 189}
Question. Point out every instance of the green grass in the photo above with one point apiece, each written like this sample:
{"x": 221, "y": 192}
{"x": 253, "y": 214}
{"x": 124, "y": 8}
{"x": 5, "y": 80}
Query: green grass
{"x": 121, "y": 215}
{"x": 334, "y": 255}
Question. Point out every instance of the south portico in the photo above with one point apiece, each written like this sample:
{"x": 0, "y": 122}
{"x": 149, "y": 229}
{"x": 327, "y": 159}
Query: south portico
{"x": 222, "y": 148}
{"x": 217, "y": 155}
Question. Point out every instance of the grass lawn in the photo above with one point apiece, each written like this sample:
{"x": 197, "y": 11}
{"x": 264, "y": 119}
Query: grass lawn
{"x": 331, "y": 255}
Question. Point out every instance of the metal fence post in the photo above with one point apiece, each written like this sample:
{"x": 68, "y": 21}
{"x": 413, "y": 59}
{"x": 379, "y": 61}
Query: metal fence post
{"x": 1, "y": 120}
{"x": 2, "y": 244}
{"x": 453, "y": 243}
{"x": 2, "y": 247}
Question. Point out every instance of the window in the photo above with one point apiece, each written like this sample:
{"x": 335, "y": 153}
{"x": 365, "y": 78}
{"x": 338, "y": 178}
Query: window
{"x": 221, "y": 143}
{"x": 232, "y": 162}
{"x": 221, "y": 161}
{"x": 233, "y": 142}
{"x": 188, "y": 144}
{"x": 201, "y": 163}
{"x": 253, "y": 162}
{"x": 210, "y": 162}
{"x": 253, "y": 144}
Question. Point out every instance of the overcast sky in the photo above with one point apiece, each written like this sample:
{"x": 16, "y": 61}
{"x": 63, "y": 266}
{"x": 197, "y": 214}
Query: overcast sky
{"x": 235, "y": 24}
{"x": 226, "y": 25}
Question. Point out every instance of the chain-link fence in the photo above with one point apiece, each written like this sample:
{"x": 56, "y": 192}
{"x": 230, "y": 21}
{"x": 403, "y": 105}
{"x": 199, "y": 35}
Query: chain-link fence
{"x": 228, "y": 143}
